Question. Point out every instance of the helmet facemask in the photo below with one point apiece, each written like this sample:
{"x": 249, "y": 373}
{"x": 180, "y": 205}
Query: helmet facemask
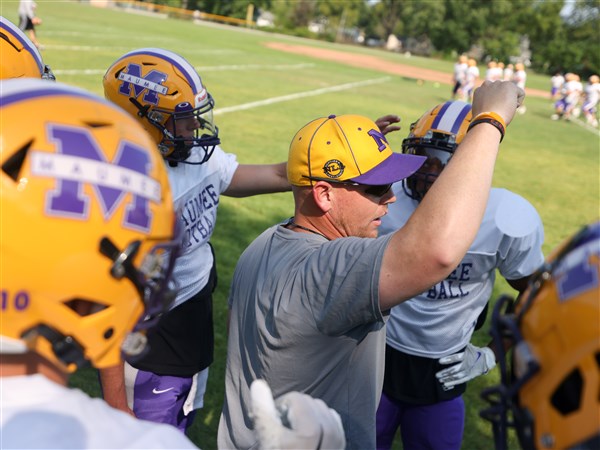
{"x": 183, "y": 129}
{"x": 438, "y": 148}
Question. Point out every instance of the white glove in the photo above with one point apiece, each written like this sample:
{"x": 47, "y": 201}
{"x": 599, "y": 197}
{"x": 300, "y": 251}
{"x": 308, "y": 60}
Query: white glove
{"x": 294, "y": 421}
{"x": 474, "y": 361}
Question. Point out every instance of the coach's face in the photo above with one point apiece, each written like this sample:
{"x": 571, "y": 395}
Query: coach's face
{"x": 357, "y": 212}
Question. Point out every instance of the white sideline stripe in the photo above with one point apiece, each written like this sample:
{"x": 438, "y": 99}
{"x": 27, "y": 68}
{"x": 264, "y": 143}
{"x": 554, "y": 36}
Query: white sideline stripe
{"x": 285, "y": 98}
{"x": 199, "y": 69}
{"x": 254, "y": 67}
{"x": 86, "y": 48}
{"x": 585, "y": 126}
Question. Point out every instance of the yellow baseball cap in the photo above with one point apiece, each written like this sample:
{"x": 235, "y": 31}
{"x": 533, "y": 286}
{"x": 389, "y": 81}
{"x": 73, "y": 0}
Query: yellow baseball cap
{"x": 346, "y": 148}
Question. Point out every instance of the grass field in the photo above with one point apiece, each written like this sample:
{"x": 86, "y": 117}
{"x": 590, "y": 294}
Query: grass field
{"x": 555, "y": 165}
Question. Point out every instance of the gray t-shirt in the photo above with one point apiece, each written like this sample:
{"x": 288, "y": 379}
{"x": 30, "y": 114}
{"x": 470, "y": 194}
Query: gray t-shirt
{"x": 305, "y": 316}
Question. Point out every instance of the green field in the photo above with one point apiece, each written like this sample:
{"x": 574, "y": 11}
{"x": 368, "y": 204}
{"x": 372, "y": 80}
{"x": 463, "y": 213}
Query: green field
{"x": 555, "y": 165}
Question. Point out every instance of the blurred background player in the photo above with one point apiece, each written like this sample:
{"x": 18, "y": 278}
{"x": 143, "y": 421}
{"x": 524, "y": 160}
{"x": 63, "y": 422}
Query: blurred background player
{"x": 520, "y": 78}
{"x": 166, "y": 95}
{"x": 548, "y": 389}
{"x": 508, "y": 73}
{"x": 493, "y": 71}
{"x": 458, "y": 76}
{"x": 569, "y": 97}
{"x": 556, "y": 83}
{"x": 590, "y": 100}
{"x": 108, "y": 276}
{"x": 19, "y": 57}
{"x": 422, "y": 395}
{"x": 28, "y": 19}
{"x": 471, "y": 80}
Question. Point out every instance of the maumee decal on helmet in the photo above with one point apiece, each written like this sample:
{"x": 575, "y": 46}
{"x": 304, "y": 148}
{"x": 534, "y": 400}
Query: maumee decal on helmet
{"x": 151, "y": 83}
{"x": 333, "y": 168}
{"x": 578, "y": 272}
{"x": 79, "y": 160}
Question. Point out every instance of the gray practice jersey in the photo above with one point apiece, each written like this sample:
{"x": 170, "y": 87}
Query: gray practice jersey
{"x": 441, "y": 320}
{"x": 305, "y": 316}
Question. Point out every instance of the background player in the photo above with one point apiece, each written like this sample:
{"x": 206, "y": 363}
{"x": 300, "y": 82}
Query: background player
{"x": 548, "y": 389}
{"x": 459, "y": 74}
{"x": 108, "y": 272}
{"x": 421, "y": 395}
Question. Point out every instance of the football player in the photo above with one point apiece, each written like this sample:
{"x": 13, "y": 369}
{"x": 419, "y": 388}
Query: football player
{"x": 549, "y": 387}
{"x": 165, "y": 94}
{"x": 87, "y": 253}
{"x": 19, "y": 57}
{"x": 429, "y": 357}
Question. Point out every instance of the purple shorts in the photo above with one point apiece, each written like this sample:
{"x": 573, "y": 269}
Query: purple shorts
{"x": 161, "y": 398}
{"x": 439, "y": 426}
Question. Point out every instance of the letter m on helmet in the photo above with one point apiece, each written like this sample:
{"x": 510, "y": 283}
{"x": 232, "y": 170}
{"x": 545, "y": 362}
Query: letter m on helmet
{"x": 79, "y": 161}
{"x": 150, "y": 83}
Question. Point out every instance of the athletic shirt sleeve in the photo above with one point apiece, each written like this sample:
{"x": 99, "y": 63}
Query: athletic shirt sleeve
{"x": 522, "y": 235}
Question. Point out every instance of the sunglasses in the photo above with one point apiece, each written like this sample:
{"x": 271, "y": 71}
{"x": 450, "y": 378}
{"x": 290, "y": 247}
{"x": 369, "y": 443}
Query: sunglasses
{"x": 375, "y": 190}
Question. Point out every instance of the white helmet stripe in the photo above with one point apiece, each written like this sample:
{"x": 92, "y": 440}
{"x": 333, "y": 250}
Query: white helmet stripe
{"x": 451, "y": 116}
{"x": 182, "y": 65}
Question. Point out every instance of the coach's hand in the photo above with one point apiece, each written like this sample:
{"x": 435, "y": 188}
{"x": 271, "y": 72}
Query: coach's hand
{"x": 386, "y": 123}
{"x": 501, "y": 97}
{"x": 294, "y": 420}
{"x": 474, "y": 361}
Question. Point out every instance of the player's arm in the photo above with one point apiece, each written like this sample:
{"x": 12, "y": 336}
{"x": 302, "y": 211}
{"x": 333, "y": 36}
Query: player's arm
{"x": 444, "y": 225}
{"x": 253, "y": 179}
{"x": 112, "y": 380}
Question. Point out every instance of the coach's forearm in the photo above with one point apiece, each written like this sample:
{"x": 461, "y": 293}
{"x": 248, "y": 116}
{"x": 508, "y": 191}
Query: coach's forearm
{"x": 442, "y": 228}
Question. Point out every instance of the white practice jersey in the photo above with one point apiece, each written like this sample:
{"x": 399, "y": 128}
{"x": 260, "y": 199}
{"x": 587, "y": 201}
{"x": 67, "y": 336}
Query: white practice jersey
{"x": 40, "y": 414}
{"x": 520, "y": 78}
{"x": 441, "y": 320}
{"x": 592, "y": 94}
{"x": 196, "y": 191}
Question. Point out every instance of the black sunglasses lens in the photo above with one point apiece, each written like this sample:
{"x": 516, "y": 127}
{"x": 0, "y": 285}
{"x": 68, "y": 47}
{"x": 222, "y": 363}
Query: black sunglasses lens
{"x": 378, "y": 190}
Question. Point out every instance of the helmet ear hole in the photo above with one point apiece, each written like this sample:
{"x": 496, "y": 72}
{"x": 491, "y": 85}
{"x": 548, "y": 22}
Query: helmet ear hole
{"x": 12, "y": 166}
{"x": 84, "y": 307}
{"x": 567, "y": 396}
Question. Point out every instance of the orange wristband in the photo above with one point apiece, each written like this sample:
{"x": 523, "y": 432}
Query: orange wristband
{"x": 493, "y": 119}
{"x": 490, "y": 115}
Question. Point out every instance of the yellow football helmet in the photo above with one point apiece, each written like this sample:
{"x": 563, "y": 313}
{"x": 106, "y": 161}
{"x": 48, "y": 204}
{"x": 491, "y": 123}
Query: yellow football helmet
{"x": 551, "y": 392}
{"x": 436, "y": 135}
{"x": 86, "y": 205}
{"x": 19, "y": 57}
{"x": 164, "y": 92}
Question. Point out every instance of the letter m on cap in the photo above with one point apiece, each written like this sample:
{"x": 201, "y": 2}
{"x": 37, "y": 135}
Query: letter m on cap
{"x": 80, "y": 161}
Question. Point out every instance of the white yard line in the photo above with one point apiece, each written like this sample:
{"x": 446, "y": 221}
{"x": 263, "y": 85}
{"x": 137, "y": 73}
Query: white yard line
{"x": 585, "y": 126}
{"x": 199, "y": 69}
{"x": 285, "y": 98}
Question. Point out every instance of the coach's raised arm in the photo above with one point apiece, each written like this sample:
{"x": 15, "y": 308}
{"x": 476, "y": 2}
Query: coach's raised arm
{"x": 442, "y": 228}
